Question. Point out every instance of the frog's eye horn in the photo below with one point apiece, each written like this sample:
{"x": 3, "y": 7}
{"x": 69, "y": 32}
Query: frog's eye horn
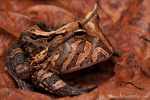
{"x": 80, "y": 33}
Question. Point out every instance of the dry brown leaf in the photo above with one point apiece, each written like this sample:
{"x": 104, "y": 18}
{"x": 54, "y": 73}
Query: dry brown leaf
{"x": 6, "y": 39}
{"x": 126, "y": 24}
{"x": 128, "y": 38}
{"x": 50, "y": 15}
{"x": 16, "y": 94}
{"x": 6, "y": 81}
{"x": 14, "y": 22}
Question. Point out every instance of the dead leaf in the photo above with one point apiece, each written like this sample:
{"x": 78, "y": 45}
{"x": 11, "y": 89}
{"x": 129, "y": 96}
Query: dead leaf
{"x": 16, "y": 94}
{"x": 49, "y": 14}
{"x": 14, "y": 22}
{"x": 6, "y": 39}
{"x": 6, "y": 81}
{"x": 126, "y": 24}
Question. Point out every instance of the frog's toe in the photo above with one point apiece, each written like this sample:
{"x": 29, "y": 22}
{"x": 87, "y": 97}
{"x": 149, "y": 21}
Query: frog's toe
{"x": 79, "y": 86}
{"x": 24, "y": 85}
{"x": 77, "y": 91}
{"x": 90, "y": 88}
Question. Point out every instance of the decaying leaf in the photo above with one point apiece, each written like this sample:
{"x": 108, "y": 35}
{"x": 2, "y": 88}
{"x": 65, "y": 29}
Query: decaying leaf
{"x": 6, "y": 39}
{"x": 16, "y": 94}
{"x": 125, "y": 22}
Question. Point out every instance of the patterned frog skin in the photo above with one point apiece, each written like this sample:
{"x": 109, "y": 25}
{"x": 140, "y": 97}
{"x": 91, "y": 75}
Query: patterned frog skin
{"x": 40, "y": 55}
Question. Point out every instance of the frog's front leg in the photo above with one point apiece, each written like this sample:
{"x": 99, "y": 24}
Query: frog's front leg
{"x": 17, "y": 67}
{"x": 52, "y": 83}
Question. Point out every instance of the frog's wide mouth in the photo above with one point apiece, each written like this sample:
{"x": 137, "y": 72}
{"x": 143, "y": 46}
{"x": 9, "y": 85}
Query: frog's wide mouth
{"x": 85, "y": 65}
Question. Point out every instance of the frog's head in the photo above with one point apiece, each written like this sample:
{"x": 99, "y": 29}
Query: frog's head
{"x": 76, "y": 45}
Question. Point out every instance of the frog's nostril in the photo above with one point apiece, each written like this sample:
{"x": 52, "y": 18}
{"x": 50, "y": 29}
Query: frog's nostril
{"x": 78, "y": 53}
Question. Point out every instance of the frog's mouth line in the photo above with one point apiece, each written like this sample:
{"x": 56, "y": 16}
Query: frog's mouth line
{"x": 85, "y": 65}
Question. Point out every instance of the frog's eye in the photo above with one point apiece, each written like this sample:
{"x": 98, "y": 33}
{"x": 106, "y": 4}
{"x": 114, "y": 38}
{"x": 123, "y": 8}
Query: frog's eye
{"x": 80, "y": 33}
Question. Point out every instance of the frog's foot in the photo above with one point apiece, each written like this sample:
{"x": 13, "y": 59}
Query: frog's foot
{"x": 52, "y": 83}
{"x": 112, "y": 60}
{"x": 24, "y": 85}
{"x": 17, "y": 67}
{"x": 116, "y": 53}
{"x": 73, "y": 91}
{"x": 90, "y": 88}
{"x": 21, "y": 84}
{"x": 79, "y": 86}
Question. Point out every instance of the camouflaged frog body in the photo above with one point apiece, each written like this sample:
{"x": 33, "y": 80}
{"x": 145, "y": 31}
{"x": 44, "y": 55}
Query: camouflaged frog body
{"x": 41, "y": 55}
